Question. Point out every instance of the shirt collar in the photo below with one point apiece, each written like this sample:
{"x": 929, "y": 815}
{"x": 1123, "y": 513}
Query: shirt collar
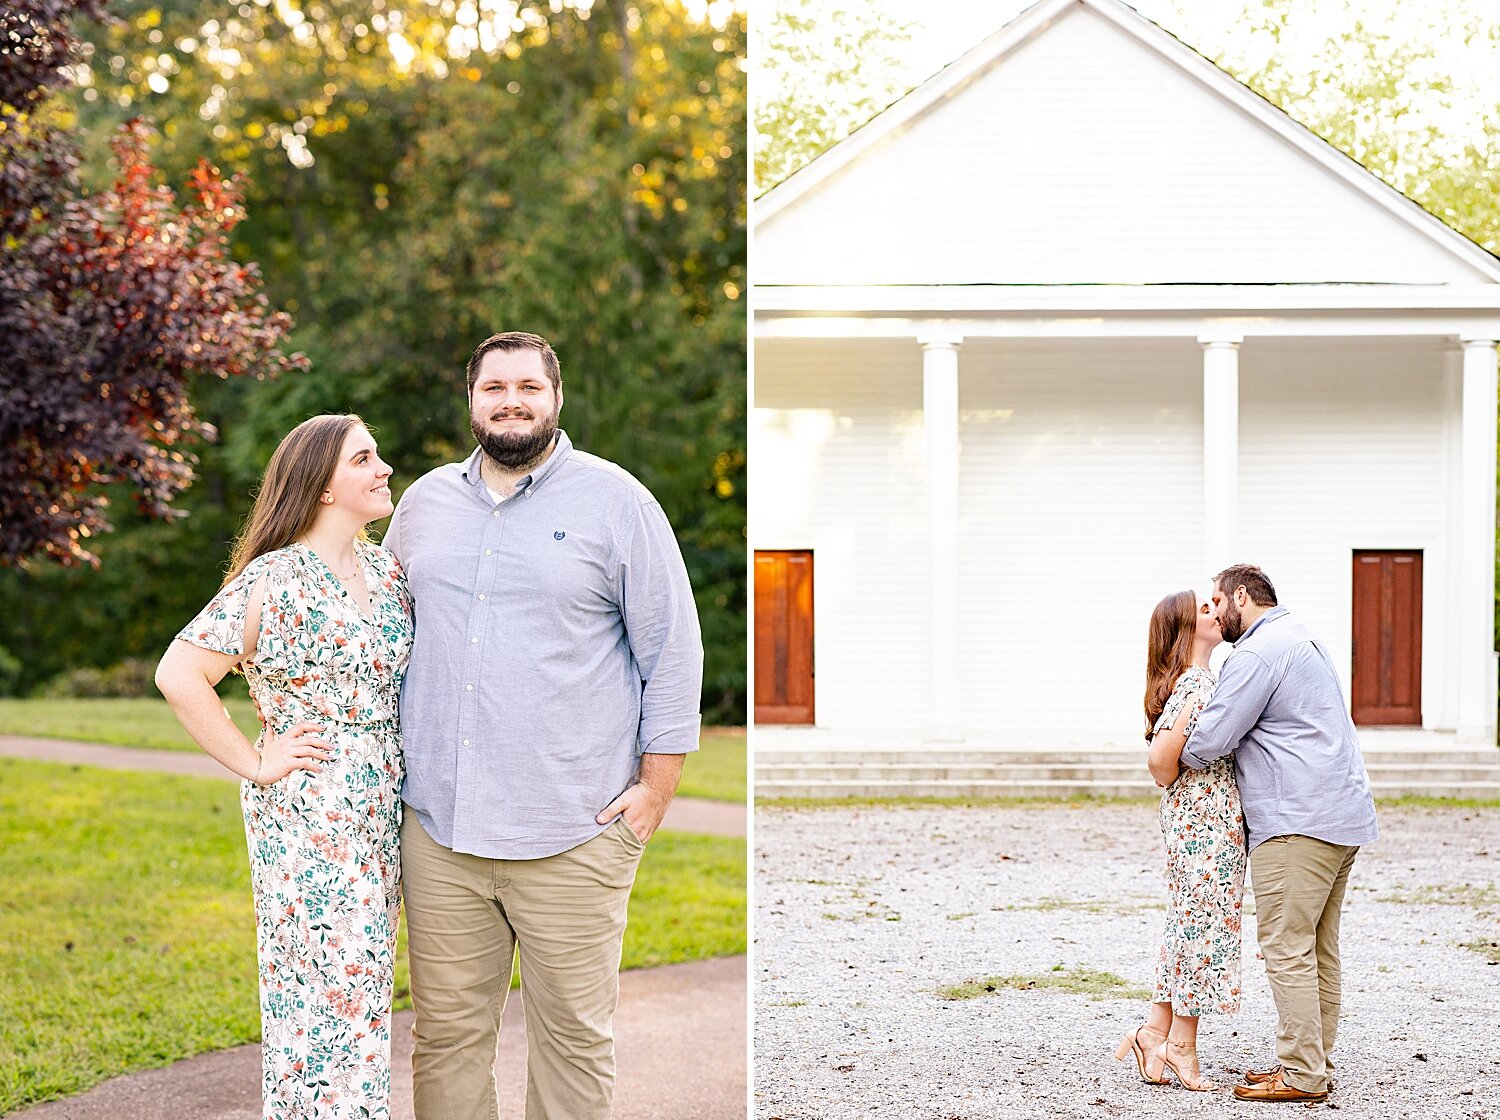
{"x": 1274, "y": 612}
{"x": 560, "y": 451}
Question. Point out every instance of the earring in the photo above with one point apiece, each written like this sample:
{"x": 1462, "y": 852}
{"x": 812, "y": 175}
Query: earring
{"x": 327, "y": 499}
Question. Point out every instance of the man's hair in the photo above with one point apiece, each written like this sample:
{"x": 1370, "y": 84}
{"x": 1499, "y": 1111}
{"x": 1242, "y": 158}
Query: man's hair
{"x": 516, "y": 340}
{"x": 1252, "y": 579}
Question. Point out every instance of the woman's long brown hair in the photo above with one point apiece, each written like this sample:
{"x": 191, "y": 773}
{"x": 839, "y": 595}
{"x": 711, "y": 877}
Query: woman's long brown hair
{"x": 1169, "y": 650}
{"x": 287, "y": 502}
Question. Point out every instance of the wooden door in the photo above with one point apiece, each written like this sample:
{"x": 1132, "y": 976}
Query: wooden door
{"x": 1387, "y": 638}
{"x": 783, "y": 637}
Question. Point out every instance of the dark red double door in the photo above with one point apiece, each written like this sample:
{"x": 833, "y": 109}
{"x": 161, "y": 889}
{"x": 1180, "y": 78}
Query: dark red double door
{"x": 1387, "y": 673}
{"x": 783, "y": 637}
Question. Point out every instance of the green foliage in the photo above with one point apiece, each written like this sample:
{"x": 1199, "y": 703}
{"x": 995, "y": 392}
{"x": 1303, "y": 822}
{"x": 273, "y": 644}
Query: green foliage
{"x": 823, "y": 68}
{"x": 583, "y": 179}
{"x": 1394, "y": 95}
{"x": 132, "y": 677}
{"x": 10, "y": 672}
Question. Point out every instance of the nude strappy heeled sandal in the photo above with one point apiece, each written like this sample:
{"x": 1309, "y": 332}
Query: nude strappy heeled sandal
{"x": 1132, "y": 1042}
{"x": 1188, "y": 1059}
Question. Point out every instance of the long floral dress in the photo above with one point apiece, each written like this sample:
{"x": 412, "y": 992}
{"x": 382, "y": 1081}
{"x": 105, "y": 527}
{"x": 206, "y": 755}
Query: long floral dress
{"x": 325, "y": 848}
{"x": 1198, "y": 967}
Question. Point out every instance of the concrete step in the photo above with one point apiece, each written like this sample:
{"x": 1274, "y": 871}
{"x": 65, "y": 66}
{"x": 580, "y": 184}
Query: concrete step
{"x": 1481, "y": 756}
{"x": 868, "y": 789}
{"x": 1406, "y": 772}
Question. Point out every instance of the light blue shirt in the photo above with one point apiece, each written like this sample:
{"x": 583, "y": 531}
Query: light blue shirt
{"x": 1279, "y": 708}
{"x": 556, "y": 641}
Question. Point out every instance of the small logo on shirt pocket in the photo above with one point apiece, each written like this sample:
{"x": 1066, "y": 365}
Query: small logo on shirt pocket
{"x": 559, "y": 535}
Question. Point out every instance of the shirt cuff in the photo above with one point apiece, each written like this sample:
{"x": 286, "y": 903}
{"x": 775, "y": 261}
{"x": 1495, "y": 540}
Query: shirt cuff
{"x": 682, "y": 739}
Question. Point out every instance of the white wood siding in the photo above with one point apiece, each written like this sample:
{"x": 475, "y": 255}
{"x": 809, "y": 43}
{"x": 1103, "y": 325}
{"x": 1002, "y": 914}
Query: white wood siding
{"x": 1081, "y": 505}
{"x": 1344, "y": 446}
{"x": 1085, "y": 157}
{"x": 836, "y": 439}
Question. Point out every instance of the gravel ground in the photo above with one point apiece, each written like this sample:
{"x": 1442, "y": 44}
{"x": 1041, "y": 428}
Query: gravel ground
{"x": 862, "y": 913}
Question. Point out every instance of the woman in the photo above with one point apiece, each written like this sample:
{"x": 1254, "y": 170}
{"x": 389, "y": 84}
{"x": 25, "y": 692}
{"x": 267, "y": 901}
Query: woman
{"x": 319, "y": 621}
{"x": 1198, "y": 966}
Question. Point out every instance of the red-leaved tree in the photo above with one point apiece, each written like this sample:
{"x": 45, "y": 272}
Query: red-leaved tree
{"x": 110, "y": 304}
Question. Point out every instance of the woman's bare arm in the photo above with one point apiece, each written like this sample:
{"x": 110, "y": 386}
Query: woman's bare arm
{"x": 1166, "y": 748}
{"x": 186, "y": 676}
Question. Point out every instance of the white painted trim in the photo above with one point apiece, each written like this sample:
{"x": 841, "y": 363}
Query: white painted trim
{"x": 951, "y": 80}
{"x": 954, "y": 299}
{"x": 1126, "y": 326}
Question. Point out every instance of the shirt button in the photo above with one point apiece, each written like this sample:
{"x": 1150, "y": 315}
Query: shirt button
{"x": 489, "y": 552}
{"x": 495, "y": 514}
{"x": 473, "y": 641}
{"x": 468, "y": 688}
{"x": 466, "y": 742}
{"x": 481, "y": 598}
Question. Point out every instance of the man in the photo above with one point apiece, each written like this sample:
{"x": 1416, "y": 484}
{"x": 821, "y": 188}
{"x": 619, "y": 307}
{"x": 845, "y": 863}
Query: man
{"x": 1307, "y": 808}
{"x": 552, "y": 693}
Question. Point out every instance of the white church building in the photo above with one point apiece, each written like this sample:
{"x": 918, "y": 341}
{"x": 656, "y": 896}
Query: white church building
{"x": 1070, "y": 327}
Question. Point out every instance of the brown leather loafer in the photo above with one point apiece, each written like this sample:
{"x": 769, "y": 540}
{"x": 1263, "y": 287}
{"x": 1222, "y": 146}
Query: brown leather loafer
{"x": 1275, "y": 1089}
{"x": 1258, "y": 1076}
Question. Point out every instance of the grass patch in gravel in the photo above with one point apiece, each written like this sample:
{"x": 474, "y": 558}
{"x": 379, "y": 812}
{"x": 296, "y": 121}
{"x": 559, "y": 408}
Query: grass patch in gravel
{"x": 1490, "y": 950}
{"x": 1091, "y": 905}
{"x": 1081, "y": 981}
{"x": 1412, "y": 801}
{"x": 1444, "y": 894}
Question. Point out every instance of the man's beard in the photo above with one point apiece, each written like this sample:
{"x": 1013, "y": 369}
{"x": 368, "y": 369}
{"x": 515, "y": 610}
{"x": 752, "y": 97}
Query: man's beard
{"x": 1233, "y": 622}
{"x": 515, "y": 450}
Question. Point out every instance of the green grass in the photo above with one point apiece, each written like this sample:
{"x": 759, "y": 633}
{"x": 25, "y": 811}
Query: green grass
{"x": 144, "y": 722}
{"x": 129, "y": 936}
{"x": 1078, "y": 981}
{"x": 716, "y": 771}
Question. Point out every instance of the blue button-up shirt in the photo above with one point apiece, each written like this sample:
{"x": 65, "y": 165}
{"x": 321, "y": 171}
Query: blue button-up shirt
{"x": 1279, "y": 708}
{"x": 556, "y": 641}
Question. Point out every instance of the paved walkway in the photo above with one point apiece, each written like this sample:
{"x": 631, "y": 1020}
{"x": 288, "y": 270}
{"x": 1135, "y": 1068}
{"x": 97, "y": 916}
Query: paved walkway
{"x": 685, "y": 814}
{"x": 692, "y": 1013}
{"x": 679, "y": 1043}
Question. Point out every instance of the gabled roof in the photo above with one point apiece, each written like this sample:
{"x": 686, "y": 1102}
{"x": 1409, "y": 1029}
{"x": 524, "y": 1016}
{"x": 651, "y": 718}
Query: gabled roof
{"x": 1036, "y": 21}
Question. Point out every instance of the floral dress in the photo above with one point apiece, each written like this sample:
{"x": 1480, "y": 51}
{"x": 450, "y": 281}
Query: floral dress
{"x": 325, "y": 848}
{"x": 1198, "y": 968}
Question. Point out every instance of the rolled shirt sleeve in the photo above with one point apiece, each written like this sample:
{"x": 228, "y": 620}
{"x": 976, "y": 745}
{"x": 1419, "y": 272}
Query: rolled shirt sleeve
{"x": 661, "y": 625}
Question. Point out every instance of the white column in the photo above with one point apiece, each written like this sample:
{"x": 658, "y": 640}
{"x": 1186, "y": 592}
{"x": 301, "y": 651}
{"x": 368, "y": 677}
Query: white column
{"x": 1221, "y": 448}
{"x": 1476, "y": 544}
{"x": 940, "y": 419}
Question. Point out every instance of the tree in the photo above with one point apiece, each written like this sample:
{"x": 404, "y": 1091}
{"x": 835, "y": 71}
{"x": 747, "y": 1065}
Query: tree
{"x": 823, "y": 68}
{"x": 583, "y": 176}
{"x": 110, "y": 304}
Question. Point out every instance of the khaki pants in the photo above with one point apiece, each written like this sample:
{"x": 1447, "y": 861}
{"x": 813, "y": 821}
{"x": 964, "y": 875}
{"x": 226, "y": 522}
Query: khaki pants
{"x": 1299, "y": 893}
{"x": 466, "y": 919}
